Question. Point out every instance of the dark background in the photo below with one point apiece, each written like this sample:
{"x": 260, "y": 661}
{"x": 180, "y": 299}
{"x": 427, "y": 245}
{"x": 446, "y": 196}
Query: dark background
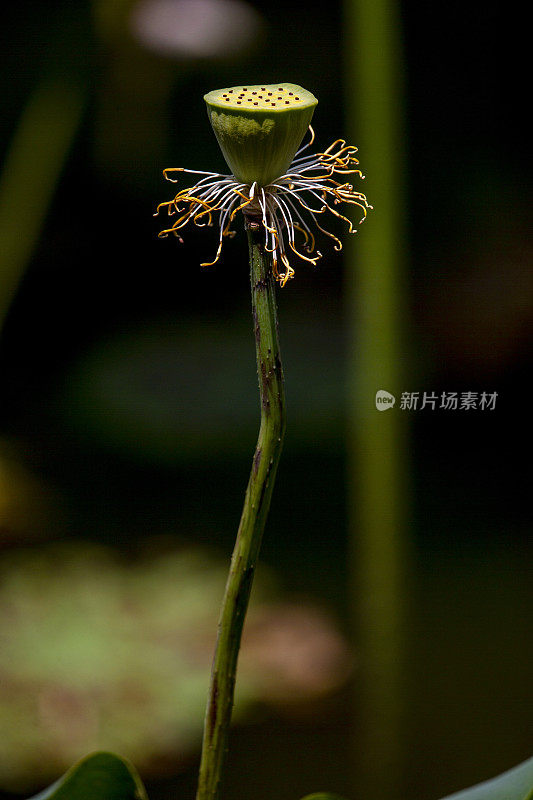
{"x": 127, "y": 371}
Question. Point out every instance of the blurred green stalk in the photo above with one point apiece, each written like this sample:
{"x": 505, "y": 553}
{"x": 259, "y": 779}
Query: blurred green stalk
{"x": 378, "y": 468}
{"x": 30, "y": 174}
{"x": 254, "y": 514}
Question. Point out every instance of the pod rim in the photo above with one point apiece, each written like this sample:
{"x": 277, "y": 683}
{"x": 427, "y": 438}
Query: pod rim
{"x": 274, "y": 98}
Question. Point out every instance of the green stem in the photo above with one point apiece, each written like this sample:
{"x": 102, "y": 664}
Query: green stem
{"x": 378, "y": 442}
{"x": 254, "y": 514}
{"x": 30, "y": 175}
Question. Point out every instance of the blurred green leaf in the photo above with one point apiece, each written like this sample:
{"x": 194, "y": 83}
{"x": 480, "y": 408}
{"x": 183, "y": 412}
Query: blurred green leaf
{"x": 516, "y": 784}
{"x": 104, "y": 652}
{"x": 100, "y": 776}
{"x": 173, "y": 393}
{"x": 322, "y": 796}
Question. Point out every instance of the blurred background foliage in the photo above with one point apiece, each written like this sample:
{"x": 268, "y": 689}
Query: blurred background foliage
{"x": 128, "y": 403}
{"x": 97, "y": 649}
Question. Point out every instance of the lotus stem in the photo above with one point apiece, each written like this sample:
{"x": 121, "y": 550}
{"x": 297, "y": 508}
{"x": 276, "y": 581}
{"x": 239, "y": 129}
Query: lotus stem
{"x": 254, "y": 514}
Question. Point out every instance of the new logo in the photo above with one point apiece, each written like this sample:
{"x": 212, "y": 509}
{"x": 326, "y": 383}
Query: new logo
{"x": 384, "y": 400}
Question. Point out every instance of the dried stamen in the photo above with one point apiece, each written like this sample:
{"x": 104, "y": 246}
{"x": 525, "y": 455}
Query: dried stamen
{"x": 282, "y": 205}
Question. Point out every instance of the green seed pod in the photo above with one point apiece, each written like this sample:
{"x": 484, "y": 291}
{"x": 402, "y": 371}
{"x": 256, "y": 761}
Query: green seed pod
{"x": 259, "y": 128}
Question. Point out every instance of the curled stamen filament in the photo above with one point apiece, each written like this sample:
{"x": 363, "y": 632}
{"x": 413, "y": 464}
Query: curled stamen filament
{"x": 285, "y": 207}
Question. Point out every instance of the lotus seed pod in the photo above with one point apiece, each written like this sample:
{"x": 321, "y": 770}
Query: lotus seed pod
{"x": 259, "y": 128}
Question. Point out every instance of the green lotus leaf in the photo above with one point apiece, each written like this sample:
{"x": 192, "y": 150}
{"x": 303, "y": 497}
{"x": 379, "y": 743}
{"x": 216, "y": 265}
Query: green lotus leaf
{"x": 99, "y": 776}
{"x": 515, "y": 784}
